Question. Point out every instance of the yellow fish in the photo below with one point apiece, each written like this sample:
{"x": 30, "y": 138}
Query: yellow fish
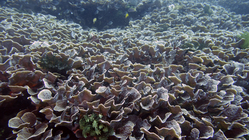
{"x": 94, "y": 20}
{"x": 126, "y": 15}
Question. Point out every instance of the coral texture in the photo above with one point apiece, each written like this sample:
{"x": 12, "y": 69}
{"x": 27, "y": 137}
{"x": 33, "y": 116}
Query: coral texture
{"x": 176, "y": 73}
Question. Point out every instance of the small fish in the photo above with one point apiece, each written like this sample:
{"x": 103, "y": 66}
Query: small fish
{"x": 81, "y": 9}
{"x": 132, "y": 9}
{"x": 55, "y": 2}
{"x": 96, "y": 12}
{"x": 110, "y": 23}
{"x": 73, "y": 4}
{"x": 67, "y": 11}
{"x": 126, "y": 15}
{"x": 101, "y": 8}
{"x": 94, "y": 20}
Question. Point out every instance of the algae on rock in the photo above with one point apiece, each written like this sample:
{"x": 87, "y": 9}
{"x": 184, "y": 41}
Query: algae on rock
{"x": 92, "y": 127}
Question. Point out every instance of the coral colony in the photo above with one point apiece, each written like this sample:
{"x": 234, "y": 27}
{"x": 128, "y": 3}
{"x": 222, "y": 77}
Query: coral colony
{"x": 179, "y": 70}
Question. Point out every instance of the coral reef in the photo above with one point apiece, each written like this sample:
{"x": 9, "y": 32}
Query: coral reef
{"x": 176, "y": 73}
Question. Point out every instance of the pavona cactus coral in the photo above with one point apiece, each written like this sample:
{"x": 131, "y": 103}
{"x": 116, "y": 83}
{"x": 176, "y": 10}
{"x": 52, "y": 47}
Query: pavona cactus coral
{"x": 92, "y": 127}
